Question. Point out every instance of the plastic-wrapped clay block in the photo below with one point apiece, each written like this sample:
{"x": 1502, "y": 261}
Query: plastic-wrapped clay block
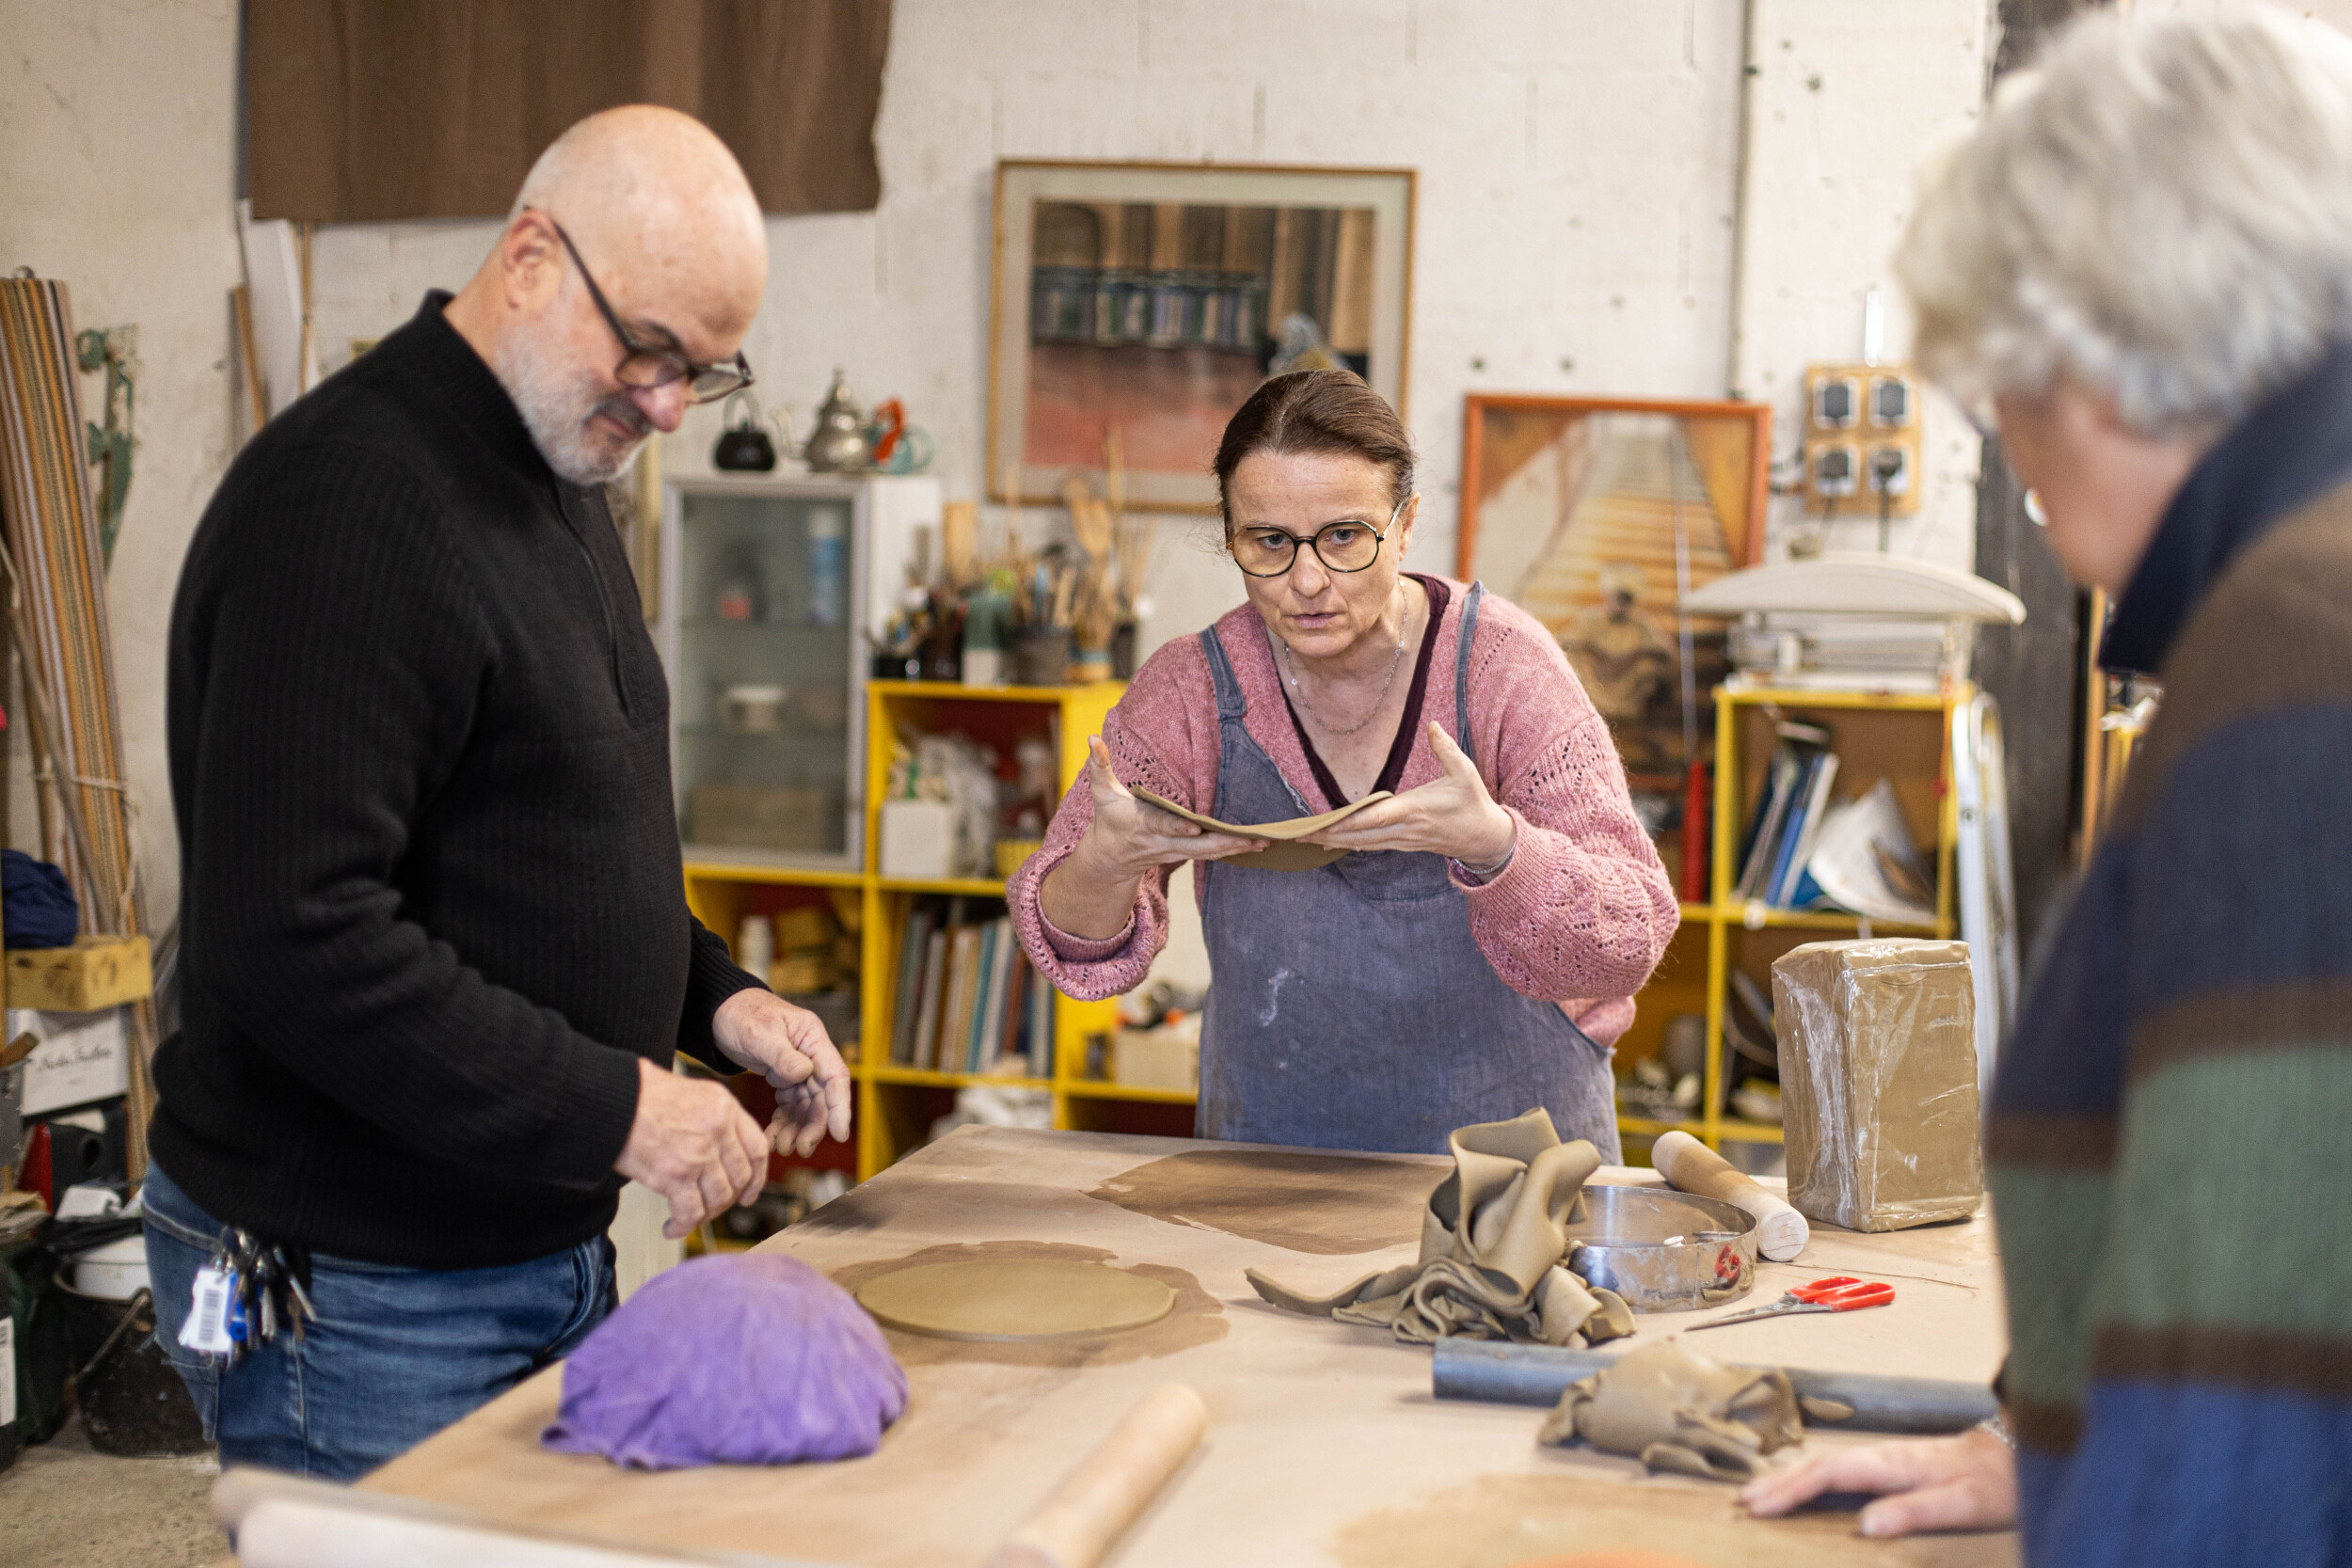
{"x": 1877, "y": 1073}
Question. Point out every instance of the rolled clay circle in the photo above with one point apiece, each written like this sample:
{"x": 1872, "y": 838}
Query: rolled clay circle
{"x": 1613, "y": 1557}
{"x": 1015, "y": 1298}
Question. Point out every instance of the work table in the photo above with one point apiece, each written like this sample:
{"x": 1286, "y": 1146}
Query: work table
{"x": 1325, "y": 1444}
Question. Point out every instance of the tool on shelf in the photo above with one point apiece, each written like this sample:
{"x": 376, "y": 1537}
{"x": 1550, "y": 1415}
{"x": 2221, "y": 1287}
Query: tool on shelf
{"x": 1837, "y": 1293}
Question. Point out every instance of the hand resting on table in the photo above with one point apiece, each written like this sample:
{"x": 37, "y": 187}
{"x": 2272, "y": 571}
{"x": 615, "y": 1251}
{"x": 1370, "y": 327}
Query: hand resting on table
{"x": 1964, "y": 1483}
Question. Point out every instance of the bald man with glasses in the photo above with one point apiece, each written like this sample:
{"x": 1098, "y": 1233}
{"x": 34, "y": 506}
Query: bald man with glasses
{"x": 437, "y": 961}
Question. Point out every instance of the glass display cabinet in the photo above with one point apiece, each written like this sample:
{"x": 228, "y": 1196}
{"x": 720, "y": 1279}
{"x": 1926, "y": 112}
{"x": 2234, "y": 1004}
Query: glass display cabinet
{"x": 770, "y": 590}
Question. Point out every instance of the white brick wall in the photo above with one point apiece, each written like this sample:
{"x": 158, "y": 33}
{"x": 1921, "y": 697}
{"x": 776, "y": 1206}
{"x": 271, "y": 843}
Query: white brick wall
{"x": 1577, "y": 162}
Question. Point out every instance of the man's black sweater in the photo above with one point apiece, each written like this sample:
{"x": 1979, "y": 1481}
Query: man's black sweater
{"x": 432, "y": 908}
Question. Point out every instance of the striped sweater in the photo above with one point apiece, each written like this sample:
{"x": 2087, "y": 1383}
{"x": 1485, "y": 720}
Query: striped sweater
{"x": 2170, "y": 1124}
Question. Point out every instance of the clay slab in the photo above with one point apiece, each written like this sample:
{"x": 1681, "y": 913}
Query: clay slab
{"x": 1284, "y": 852}
{"x": 1015, "y": 1298}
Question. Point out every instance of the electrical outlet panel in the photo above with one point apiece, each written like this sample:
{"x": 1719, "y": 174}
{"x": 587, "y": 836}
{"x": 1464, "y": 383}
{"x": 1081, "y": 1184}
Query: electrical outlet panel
{"x": 1838, "y": 403}
{"x": 1888, "y": 468}
{"x": 1862, "y": 441}
{"x": 1890, "y": 402}
{"x": 1833, "y": 469}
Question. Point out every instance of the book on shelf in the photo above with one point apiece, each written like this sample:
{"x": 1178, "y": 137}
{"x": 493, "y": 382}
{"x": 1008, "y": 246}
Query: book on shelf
{"x": 1804, "y": 828}
{"x": 955, "y": 1023}
{"x": 1038, "y": 1040}
{"x": 969, "y": 1000}
{"x": 1004, "y": 1054}
{"x": 915, "y": 945}
{"x": 933, "y": 995}
{"x": 969, "y": 1044}
{"x": 990, "y": 1056}
{"x": 994, "y": 936}
{"x": 1787, "y": 814}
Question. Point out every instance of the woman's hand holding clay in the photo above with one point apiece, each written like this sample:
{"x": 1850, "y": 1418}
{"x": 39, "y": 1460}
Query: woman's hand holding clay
{"x": 1128, "y": 838}
{"x": 1964, "y": 1483}
{"x": 1450, "y": 814}
{"x": 1092, "y": 894}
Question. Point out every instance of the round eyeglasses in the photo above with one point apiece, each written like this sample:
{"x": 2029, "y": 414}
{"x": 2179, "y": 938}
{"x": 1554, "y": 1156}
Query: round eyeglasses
{"x": 1349, "y": 545}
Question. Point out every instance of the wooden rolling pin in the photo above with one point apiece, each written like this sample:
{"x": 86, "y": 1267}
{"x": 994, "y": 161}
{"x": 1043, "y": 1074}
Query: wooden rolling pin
{"x": 1690, "y": 1167}
{"x": 1080, "y": 1519}
{"x": 281, "y": 1521}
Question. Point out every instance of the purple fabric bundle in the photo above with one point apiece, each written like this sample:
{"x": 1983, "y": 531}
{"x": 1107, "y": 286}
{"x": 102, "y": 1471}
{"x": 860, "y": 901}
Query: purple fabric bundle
{"x": 744, "y": 1360}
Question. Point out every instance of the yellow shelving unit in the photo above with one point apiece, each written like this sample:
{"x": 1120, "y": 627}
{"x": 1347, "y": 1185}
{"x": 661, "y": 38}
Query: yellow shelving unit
{"x": 896, "y": 1104}
{"x": 1899, "y": 737}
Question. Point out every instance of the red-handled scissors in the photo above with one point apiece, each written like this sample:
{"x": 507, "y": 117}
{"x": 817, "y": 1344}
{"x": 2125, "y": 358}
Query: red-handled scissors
{"x": 1839, "y": 1293}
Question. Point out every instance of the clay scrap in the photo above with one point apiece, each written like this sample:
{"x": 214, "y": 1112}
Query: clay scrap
{"x": 1492, "y": 1238}
{"x": 1682, "y": 1413}
{"x": 1283, "y": 851}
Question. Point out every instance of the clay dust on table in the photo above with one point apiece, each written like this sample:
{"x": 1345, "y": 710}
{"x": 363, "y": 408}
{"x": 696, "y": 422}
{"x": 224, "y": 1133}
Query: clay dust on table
{"x": 1327, "y": 1204}
{"x": 1499, "y": 1521}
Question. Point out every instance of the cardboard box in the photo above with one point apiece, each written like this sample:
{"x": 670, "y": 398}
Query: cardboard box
{"x": 94, "y": 974}
{"x": 82, "y": 1056}
{"x": 1168, "y": 1058}
{"x": 1878, "y": 1076}
{"x": 918, "y": 839}
{"x": 756, "y": 818}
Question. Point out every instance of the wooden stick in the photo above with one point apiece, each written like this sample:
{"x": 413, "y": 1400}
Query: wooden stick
{"x": 959, "y": 529}
{"x": 249, "y": 356}
{"x": 308, "y": 352}
{"x": 1081, "y": 1519}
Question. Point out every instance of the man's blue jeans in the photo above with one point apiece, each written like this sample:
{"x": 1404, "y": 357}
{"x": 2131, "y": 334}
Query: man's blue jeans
{"x": 395, "y": 1354}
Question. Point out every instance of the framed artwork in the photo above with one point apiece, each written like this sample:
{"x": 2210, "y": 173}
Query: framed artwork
{"x": 1594, "y": 516}
{"x": 1148, "y": 300}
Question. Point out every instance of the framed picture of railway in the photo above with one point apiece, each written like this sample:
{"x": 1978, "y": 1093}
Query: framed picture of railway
{"x": 1594, "y": 516}
{"x": 1146, "y": 301}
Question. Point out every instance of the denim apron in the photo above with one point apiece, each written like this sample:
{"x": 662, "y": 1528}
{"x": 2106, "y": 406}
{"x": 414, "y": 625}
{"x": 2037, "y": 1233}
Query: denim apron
{"x": 1350, "y": 1006}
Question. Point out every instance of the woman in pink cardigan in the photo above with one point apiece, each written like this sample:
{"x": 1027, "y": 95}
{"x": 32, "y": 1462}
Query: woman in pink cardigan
{"x": 1477, "y": 952}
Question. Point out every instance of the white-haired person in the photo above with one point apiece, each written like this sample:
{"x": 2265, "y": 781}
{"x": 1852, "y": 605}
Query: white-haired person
{"x": 2141, "y": 266}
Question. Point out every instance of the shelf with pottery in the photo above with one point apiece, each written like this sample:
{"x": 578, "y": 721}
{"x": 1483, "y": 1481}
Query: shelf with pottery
{"x": 1903, "y": 738}
{"x": 897, "y": 1103}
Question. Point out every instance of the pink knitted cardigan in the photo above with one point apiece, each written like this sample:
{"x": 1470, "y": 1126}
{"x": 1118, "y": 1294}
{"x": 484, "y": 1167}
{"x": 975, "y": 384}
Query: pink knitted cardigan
{"x": 1580, "y": 915}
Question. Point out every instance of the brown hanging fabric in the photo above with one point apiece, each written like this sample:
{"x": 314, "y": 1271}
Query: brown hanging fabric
{"x": 373, "y": 110}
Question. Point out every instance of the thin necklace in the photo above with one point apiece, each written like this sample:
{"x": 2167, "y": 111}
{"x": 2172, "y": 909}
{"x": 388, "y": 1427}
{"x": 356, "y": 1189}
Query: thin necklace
{"x": 1396, "y": 661}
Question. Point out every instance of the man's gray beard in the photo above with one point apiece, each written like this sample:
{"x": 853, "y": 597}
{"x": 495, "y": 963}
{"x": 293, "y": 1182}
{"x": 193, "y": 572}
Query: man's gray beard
{"x": 556, "y": 410}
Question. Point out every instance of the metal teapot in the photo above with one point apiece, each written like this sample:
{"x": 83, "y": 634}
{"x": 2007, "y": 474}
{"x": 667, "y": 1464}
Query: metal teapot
{"x": 838, "y": 444}
{"x": 743, "y": 446}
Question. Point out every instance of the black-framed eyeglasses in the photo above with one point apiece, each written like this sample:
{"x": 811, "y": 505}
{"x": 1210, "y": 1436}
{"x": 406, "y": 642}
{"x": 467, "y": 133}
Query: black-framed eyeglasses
{"x": 1349, "y": 545}
{"x": 644, "y": 366}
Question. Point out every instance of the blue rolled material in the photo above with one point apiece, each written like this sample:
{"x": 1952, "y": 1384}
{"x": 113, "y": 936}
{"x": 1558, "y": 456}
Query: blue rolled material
{"x": 37, "y": 903}
{"x": 1502, "y": 1373}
